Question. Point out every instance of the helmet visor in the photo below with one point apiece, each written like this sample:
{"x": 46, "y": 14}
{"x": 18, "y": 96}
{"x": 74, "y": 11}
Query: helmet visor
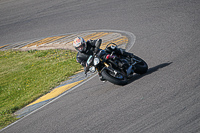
{"x": 81, "y": 47}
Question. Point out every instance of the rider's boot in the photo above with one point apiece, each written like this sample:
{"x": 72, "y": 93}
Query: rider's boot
{"x": 124, "y": 53}
{"x": 101, "y": 78}
{"x": 128, "y": 54}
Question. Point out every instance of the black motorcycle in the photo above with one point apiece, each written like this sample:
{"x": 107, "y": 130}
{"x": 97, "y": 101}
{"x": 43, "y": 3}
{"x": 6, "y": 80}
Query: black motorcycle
{"x": 110, "y": 69}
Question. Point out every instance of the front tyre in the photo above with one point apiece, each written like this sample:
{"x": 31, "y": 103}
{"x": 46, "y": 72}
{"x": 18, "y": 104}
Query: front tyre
{"x": 118, "y": 79}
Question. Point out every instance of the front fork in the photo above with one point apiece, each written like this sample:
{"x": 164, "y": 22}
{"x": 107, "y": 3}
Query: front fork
{"x": 111, "y": 69}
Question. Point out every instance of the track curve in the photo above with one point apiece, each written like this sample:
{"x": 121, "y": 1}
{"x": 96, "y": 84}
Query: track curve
{"x": 166, "y": 99}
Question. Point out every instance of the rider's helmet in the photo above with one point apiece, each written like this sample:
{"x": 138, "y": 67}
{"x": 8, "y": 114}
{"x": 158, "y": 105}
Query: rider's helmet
{"x": 80, "y": 44}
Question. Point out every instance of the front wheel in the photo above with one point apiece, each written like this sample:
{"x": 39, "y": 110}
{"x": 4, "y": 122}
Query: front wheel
{"x": 118, "y": 79}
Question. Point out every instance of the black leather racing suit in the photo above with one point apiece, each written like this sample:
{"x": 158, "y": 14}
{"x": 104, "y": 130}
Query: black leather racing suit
{"x": 94, "y": 45}
{"x": 91, "y": 46}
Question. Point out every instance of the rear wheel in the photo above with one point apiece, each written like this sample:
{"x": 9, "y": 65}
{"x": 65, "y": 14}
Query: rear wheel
{"x": 118, "y": 79}
{"x": 141, "y": 67}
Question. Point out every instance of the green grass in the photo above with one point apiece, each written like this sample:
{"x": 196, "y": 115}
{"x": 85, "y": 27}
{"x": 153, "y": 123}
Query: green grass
{"x": 25, "y": 76}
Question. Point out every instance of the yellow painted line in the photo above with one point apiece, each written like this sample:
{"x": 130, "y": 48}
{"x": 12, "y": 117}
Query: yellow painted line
{"x": 54, "y": 93}
{"x": 93, "y": 36}
{"x": 96, "y": 36}
{"x": 43, "y": 41}
{"x": 82, "y": 69}
{"x": 4, "y": 46}
{"x": 117, "y": 41}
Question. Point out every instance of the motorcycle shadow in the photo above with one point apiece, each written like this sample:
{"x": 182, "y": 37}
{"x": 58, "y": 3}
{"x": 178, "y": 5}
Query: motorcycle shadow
{"x": 150, "y": 71}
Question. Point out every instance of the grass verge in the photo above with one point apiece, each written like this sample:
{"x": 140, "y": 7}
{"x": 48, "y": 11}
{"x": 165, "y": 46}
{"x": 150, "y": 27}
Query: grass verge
{"x": 27, "y": 75}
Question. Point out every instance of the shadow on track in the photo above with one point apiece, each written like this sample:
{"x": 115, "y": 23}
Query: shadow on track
{"x": 150, "y": 71}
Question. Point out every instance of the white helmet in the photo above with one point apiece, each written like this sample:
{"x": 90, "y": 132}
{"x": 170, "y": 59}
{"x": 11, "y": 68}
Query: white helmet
{"x": 79, "y": 44}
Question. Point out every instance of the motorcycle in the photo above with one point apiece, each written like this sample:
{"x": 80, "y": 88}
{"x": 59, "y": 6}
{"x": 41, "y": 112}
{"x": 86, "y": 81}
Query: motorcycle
{"x": 110, "y": 69}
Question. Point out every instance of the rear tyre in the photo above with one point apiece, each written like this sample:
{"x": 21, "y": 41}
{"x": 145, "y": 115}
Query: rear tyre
{"x": 142, "y": 67}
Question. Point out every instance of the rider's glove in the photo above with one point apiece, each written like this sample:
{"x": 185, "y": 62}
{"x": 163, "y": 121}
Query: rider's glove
{"x": 110, "y": 57}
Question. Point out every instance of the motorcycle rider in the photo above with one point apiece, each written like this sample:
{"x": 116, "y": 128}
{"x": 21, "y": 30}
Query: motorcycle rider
{"x": 87, "y": 48}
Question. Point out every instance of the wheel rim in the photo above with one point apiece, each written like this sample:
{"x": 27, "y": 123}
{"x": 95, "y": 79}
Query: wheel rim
{"x": 118, "y": 76}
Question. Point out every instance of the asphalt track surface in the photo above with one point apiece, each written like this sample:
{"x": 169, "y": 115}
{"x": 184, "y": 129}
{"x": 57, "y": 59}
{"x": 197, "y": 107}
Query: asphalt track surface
{"x": 166, "y": 99}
